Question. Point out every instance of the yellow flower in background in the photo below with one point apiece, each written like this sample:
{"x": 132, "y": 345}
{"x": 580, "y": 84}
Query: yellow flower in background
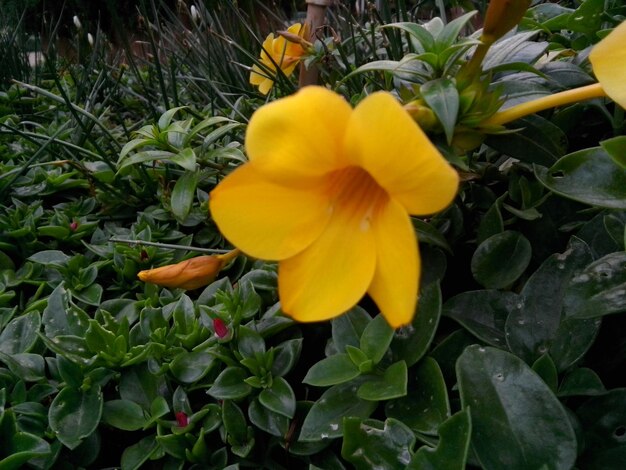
{"x": 327, "y": 193}
{"x": 278, "y": 51}
{"x": 189, "y": 274}
{"x": 608, "y": 59}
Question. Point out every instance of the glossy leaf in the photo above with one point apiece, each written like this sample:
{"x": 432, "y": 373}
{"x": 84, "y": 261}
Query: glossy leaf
{"x": 74, "y": 414}
{"x": 581, "y": 382}
{"x": 123, "y": 414}
{"x": 230, "y": 385}
{"x": 183, "y": 194}
{"x": 425, "y": 407}
{"x": 589, "y": 176}
{"x": 191, "y": 367}
{"x": 373, "y": 444}
{"x": 501, "y": 259}
{"x": 279, "y": 398}
{"x": 453, "y": 447}
{"x": 392, "y": 384}
{"x": 603, "y": 421}
{"x": 332, "y": 370}
{"x": 599, "y": 289}
{"x": 411, "y": 343}
{"x": 531, "y": 328}
{"x": 443, "y": 98}
{"x": 348, "y": 328}
{"x": 267, "y": 420}
{"x": 376, "y": 339}
{"x": 616, "y": 148}
{"x": 20, "y": 334}
{"x": 325, "y": 416}
{"x": 483, "y": 313}
{"x": 508, "y": 404}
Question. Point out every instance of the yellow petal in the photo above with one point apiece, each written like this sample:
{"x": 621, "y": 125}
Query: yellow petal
{"x": 266, "y": 220}
{"x": 396, "y": 279}
{"x": 383, "y": 139}
{"x": 332, "y": 274}
{"x": 295, "y": 138}
{"x": 189, "y": 274}
{"x": 608, "y": 59}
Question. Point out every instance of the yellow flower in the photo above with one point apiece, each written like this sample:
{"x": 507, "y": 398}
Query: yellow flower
{"x": 278, "y": 51}
{"x": 189, "y": 274}
{"x": 327, "y": 193}
{"x": 608, "y": 59}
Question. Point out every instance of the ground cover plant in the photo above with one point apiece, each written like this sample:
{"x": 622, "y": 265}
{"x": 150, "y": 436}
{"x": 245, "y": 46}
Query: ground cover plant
{"x": 237, "y": 237}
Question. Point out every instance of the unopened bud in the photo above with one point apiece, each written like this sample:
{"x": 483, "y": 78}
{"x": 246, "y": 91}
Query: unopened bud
{"x": 182, "y": 419}
{"x": 221, "y": 330}
{"x": 77, "y": 22}
{"x": 90, "y": 39}
{"x": 195, "y": 16}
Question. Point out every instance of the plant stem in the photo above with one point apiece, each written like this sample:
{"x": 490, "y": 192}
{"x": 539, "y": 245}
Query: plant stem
{"x": 551, "y": 101}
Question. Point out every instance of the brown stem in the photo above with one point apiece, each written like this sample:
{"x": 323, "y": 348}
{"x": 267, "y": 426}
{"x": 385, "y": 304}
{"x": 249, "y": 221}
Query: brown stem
{"x": 315, "y": 16}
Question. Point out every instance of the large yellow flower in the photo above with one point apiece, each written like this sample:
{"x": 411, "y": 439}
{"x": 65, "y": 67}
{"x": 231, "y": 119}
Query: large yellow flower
{"x": 608, "y": 59}
{"x": 278, "y": 51}
{"x": 327, "y": 192}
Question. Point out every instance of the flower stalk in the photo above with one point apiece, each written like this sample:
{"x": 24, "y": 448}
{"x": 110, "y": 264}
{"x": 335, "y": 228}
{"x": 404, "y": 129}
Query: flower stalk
{"x": 546, "y": 102}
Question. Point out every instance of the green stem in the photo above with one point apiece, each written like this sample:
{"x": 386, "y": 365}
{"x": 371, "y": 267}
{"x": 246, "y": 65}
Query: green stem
{"x": 551, "y": 101}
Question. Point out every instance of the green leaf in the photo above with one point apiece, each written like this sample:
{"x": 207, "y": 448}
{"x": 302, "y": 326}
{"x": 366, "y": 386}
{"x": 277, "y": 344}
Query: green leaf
{"x": 141, "y": 386}
{"x": 74, "y": 414}
{"x": 443, "y": 98}
{"x": 572, "y": 340}
{"x": 50, "y": 257}
{"x": 589, "y": 176}
{"x": 29, "y": 367}
{"x": 123, "y": 414}
{"x": 412, "y": 342}
{"x": 508, "y": 404}
{"x": 21, "y": 334}
{"x": 531, "y": 328}
{"x": 61, "y": 319}
{"x": 183, "y": 194}
{"x": 599, "y": 289}
{"x": 18, "y": 447}
{"x": 544, "y": 367}
{"x": 136, "y": 455}
{"x": 336, "y": 369}
{"x": 369, "y": 444}
{"x": 324, "y": 419}
{"x": 250, "y": 343}
{"x": 230, "y": 385}
{"x": 376, "y": 339}
{"x": 286, "y": 355}
{"x": 189, "y": 367}
{"x": 348, "y": 328}
{"x": 616, "y": 148}
{"x": 418, "y": 32}
{"x": 603, "y": 421}
{"x": 587, "y": 18}
{"x": 267, "y": 420}
{"x": 581, "y": 382}
{"x": 166, "y": 118}
{"x": 279, "y": 398}
{"x": 392, "y": 384}
{"x": 501, "y": 259}
{"x": 451, "y": 452}
{"x": 426, "y": 405}
{"x": 483, "y": 313}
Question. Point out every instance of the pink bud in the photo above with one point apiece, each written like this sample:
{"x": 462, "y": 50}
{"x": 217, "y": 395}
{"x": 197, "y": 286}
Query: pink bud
{"x": 73, "y": 226}
{"x": 221, "y": 330}
{"x": 182, "y": 419}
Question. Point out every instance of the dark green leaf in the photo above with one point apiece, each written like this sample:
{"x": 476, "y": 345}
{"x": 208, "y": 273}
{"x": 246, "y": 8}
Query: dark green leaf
{"x": 279, "y": 398}
{"x": 183, "y": 194}
{"x": 230, "y": 385}
{"x": 376, "y": 339}
{"x": 332, "y": 370}
{"x": 451, "y": 452}
{"x": 392, "y": 384}
{"x": 599, "y": 289}
{"x": 603, "y": 420}
{"x": 369, "y": 444}
{"x": 581, "y": 381}
{"x": 348, "y": 328}
{"x": 501, "y": 259}
{"x": 136, "y": 455}
{"x": 20, "y": 334}
{"x": 508, "y": 404}
{"x": 324, "y": 419}
{"x": 426, "y": 406}
{"x": 74, "y": 414}
{"x": 412, "y": 342}
{"x": 189, "y": 367}
{"x": 123, "y": 414}
{"x": 589, "y": 176}
{"x": 267, "y": 420}
{"x": 544, "y": 367}
{"x": 443, "y": 98}
{"x": 616, "y": 148}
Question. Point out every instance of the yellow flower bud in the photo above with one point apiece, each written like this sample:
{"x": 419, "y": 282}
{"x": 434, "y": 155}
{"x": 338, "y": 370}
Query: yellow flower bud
{"x": 189, "y": 274}
{"x": 501, "y": 17}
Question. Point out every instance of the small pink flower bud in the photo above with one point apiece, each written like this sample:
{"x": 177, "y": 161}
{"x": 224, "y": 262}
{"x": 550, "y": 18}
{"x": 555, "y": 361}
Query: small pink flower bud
{"x": 221, "y": 330}
{"x": 73, "y": 226}
{"x": 181, "y": 419}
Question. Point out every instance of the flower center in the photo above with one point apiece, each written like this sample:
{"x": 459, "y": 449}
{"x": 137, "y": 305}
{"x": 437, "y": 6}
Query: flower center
{"x": 355, "y": 194}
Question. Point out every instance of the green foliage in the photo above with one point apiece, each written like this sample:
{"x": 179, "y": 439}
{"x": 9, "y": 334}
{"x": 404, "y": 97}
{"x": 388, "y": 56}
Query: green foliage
{"x": 514, "y": 359}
